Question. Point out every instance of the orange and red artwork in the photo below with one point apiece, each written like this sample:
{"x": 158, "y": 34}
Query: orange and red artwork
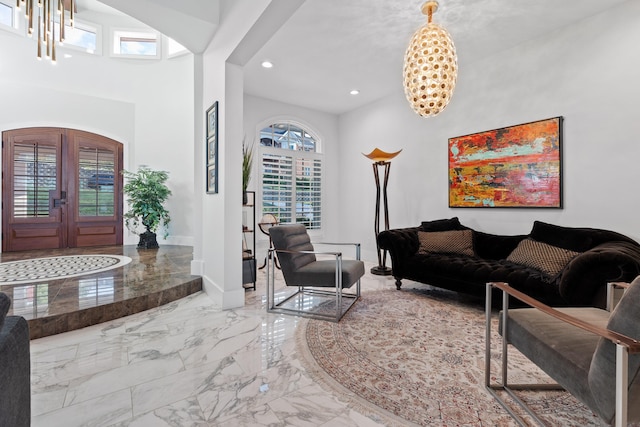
{"x": 516, "y": 166}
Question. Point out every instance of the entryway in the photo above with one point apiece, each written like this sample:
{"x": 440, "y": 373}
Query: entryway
{"x": 61, "y": 188}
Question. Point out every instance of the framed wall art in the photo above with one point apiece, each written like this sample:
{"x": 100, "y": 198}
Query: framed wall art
{"x": 211, "y": 155}
{"x": 513, "y": 167}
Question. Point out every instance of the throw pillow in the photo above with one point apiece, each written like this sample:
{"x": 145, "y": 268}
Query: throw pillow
{"x": 453, "y": 241}
{"x": 574, "y": 239}
{"x": 442, "y": 225}
{"x": 5, "y": 303}
{"x": 541, "y": 256}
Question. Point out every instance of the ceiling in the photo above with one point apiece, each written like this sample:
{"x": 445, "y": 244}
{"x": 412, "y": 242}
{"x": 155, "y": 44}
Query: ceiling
{"x": 329, "y": 47}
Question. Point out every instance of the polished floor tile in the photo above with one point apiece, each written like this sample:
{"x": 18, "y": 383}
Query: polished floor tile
{"x": 186, "y": 363}
{"x": 154, "y": 277}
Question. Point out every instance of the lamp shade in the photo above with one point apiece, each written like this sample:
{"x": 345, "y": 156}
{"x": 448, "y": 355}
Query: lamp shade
{"x": 378, "y": 156}
{"x": 430, "y": 68}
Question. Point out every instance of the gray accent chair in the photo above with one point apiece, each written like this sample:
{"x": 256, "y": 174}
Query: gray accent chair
{"x": 15, "y": 368}
{"x": 592, "y": 353}
{"x": 320, "y": 283}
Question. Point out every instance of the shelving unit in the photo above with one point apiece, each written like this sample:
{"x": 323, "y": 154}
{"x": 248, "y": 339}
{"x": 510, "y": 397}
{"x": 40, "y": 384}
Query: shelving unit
{"x": 249, "y": 241}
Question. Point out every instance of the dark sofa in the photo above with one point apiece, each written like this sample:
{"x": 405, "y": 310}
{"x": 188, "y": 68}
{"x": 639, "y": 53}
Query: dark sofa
{"x": 561, "y": 266}
{"x": 15, "y": 368}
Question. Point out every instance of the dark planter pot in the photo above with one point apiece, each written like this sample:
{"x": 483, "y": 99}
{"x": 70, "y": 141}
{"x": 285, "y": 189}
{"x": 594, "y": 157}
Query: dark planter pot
{"x": 245, "y": 198}
{"x": 148, "y": 240}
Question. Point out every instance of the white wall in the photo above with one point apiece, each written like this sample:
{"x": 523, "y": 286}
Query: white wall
{"x": 586, "y": 73}
{"x": 219, "y": 219}
{"x": 145, "y": 104}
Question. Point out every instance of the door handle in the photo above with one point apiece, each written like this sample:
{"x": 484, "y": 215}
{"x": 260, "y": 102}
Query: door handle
{"x": 61, "y": 201}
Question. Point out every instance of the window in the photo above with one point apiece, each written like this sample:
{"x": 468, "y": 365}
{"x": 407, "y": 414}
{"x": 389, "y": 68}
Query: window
{"x": 81, "y": 36}
{"x": 291, "y": 175}
{"x": 174, "y": 48}
{"x": 9, "y": 18}
{"x": 6, "y": 15}
{"x": 136, "y": 44}
{"x": 96, "y": 175}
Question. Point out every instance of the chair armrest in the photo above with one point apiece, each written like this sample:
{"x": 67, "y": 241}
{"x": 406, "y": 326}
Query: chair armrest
{"x": 356, "y": 245}
{"x": 620, "y": 285}
{"x": 286, "y": 251}
{"x": 611, "y": 296}
{"x": 631, "y": 344}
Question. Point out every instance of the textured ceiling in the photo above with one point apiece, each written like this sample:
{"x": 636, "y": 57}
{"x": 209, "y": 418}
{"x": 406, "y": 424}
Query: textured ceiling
{"x": 329, "y": 47}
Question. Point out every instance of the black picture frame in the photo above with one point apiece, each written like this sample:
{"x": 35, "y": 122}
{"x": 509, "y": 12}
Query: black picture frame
{"x": 211, "y": 149}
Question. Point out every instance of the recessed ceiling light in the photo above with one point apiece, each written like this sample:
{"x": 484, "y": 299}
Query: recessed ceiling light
{"x": 354, "y": 92}
{"x": 267, "y": 64}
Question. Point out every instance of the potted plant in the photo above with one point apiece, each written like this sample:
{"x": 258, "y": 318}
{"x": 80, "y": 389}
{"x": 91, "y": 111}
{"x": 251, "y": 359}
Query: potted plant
{"x": 146, "y": 194}
{"x": 247, "y": 163}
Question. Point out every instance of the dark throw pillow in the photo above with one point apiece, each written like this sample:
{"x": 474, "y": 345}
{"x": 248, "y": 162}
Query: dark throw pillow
{"x": 549, "y": 259}
{"x": 452, "y": 241}
{"x": 575, "y": 239}
{"x": 442, "y": 225}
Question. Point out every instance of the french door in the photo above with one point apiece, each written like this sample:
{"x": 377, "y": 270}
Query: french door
{"x": 60, "y": 188}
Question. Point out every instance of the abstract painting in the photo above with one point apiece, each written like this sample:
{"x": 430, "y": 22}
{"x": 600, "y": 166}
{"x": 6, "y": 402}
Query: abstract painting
{"x": 515, "y": 167}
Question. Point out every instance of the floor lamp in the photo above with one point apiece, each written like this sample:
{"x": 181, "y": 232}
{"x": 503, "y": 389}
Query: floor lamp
{"x": 381, "y": 159}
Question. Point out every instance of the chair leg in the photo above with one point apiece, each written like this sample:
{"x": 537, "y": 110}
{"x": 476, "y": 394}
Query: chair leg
{"x": 504, "y": 385}
{"x": 338, "y": 287}
{"x": 270, "y": 281}
{"x": 622, "y": 375}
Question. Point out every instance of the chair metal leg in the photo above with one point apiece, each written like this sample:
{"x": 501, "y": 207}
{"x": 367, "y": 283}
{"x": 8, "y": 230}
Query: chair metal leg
{"x": 622, "y": 385}
{"x": 504, "y": 385}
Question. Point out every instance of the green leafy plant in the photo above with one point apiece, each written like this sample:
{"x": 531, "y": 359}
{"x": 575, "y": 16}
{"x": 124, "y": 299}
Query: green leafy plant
{"x": 146, "y": 194}
{"x": 247, "y": 163}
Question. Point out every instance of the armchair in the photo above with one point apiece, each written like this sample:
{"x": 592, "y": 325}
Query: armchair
{"x": 320, "y": 283}
{"x": 592, "y": 353}
{"x": 15, "y": 368}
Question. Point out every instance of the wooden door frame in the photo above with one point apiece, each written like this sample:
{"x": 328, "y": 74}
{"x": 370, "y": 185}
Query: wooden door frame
{"x": 72, "y": 230}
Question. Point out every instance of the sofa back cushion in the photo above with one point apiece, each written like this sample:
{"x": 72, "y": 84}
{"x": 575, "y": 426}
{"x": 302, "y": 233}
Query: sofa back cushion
{"x": 442, "y": 225}
{"x": 494, "y": 246}
{"x": 452, "y": 241}
{"x": 541, "y": 256}
{"x": 575, "y": 239}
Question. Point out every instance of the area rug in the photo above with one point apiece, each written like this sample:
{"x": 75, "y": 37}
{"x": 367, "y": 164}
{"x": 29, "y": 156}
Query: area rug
{"x": 38, "y": 269}
{"x": 417, "y": 357}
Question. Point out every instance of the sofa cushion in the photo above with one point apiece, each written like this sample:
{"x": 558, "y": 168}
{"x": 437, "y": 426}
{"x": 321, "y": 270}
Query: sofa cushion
{"x": 467, "y": 274}
{"x": 546, "y": 258}
{"x": 5, "y": 303}
{"x": 452, "y": 241}
{"x": 574, "y": 239}
{"x": 442, "y": 225}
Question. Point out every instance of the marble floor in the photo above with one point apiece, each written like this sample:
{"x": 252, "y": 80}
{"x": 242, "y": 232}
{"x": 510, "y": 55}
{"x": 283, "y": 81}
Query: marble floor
{"x": 186, "y": 363}
{"x": 154, "y": 277}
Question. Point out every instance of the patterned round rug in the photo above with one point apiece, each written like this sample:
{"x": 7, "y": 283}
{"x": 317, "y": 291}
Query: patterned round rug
{"x": 417, "y": 356}
{"x": 37, "y": 269}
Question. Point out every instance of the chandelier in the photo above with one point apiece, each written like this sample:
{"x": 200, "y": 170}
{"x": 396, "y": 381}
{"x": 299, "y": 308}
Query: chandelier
{"x": 49, "y": 17}
{"x": 430, "y": 67}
